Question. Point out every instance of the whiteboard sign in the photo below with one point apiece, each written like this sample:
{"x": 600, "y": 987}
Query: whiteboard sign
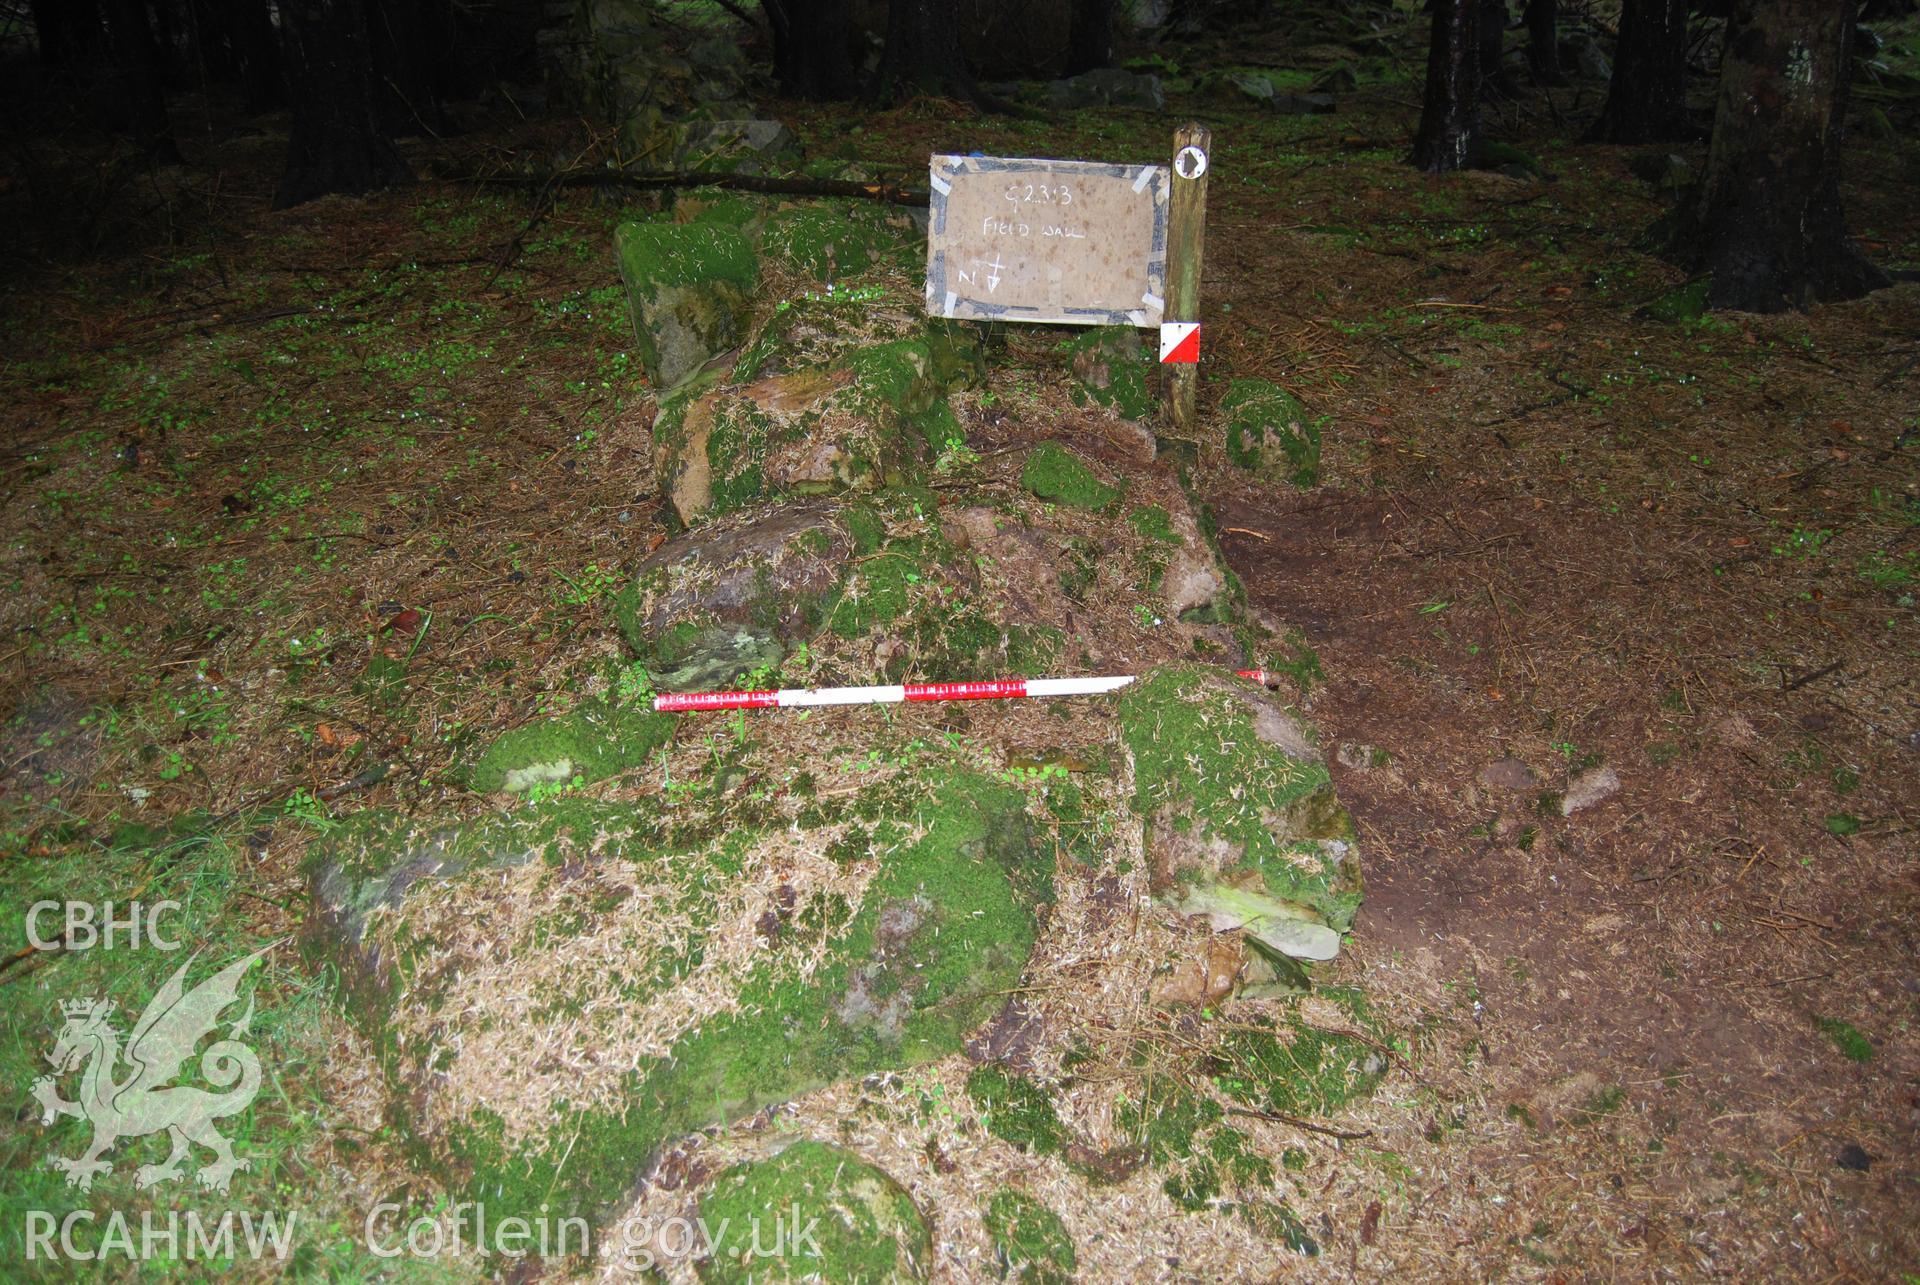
{"x": 1075, "y": 243}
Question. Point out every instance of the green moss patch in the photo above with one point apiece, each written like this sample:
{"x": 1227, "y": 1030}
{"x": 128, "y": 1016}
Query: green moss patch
{"x": 1228, "y": 785}
{"x": 812, "y": 1212}
{"x": 1055, "y": 473}
{"x": 866, "y": 422}
{"x": 1296, "y": 1069}
{"x": 455, "y": 944}
{"x": 1151, "y": 521}
{"x": 1016, "y": 1110}
{"x": 688, "y": 286}
{"x": 597, "y": 740}
{"x": 1684, "y": 303}
{"x": 1110, "y": 368}
{"x": 1030, "y": 1243}
{"x": 1269, "y": 433}
{"x": 1846, "y": 1037}
{"x": 833, "y": 241}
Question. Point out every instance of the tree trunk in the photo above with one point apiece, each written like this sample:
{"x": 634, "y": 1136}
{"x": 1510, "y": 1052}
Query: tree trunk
{"x": 1090, "y": 36}
{"x": 212, "y": 42}
{"x": 1647, "y": 95}
{"x": 922, "y": 56}
{"x": 412, "y": 44}
{"x": 336, "y": 145}
{"x": 1765, "y": 220}
{"x": 810, "y": 43}
{"x": 1543, "y": 41}
{"x": 137, "y": 69}
{"x": 1493, "y": 48}
{"x": 1449, "y": 135}
{"x": 250, "y": 28}
{"x": 69, "y": 33}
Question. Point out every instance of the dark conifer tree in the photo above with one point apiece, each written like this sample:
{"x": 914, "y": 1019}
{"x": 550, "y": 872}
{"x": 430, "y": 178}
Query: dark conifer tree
{"x": 1647, "y": 94}
{"x": 139, "y": 75}
{"x": 1493, "y": 47}
{"x": 1449, "y": 133}
{"x": 1765, "y": 220}
{"x": 336, "y": 145}
{"x": 923, "y": 56}
{"x": 1089, "y": 36}
{"x": 810, "y": 48}
{"x": 1543, "y": 41}
{"x": 70, "y": 33}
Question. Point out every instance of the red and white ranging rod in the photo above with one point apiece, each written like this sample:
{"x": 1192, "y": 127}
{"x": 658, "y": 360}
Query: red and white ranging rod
{"x": 994, "y": 689}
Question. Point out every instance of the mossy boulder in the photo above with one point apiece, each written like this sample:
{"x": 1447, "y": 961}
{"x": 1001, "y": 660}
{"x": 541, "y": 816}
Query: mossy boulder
{"x": 557, "y": 991}
{"x": 830, "y": 241}
{"x": 1110, "y": 368}
{"x": 739, "y": 146}
{"x": 1055, "y": 473}
{"x": 688, "y": 287}
{"x": 812, "y": 1212}
{"x": 742, "y": 211}
{"x": 738, "y": 594}
{"x": 597, "y": 740}
{"x": 1270, "y": 434}
{"x": 1030, "y": 1243}
{"x": 863, "y": 423}
{"x": 1231, "y": 790}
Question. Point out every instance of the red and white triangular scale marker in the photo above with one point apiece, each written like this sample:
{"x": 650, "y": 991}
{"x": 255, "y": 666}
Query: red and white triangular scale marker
{"x": 1179, "y": 343}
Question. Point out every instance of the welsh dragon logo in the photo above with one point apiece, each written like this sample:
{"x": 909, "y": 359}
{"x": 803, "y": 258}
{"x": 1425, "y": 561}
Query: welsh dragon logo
{"x": 133, "y": 1103}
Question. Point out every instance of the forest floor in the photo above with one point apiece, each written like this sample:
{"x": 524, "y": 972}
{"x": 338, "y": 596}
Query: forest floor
{"x": 1671, "y": 1034}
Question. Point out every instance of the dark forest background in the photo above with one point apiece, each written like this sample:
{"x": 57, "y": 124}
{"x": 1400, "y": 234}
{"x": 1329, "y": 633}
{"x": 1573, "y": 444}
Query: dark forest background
{"x": 1763, "y": 221}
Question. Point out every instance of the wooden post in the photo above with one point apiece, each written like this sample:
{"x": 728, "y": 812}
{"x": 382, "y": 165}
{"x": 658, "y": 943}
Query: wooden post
{"x": 1186, "y": 238}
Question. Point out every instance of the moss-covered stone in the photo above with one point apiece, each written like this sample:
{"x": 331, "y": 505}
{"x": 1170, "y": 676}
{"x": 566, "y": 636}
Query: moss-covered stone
{"x": 688, "y": 287}
{"x": 834, "y": 241}
{"x": 812, "y": 1212}
{"x": 1230, "y": 788}
{"x": 861, "y": 424}
{"x": 742, "y": 211}
{"x": 1055, "y": 473}
{"x": 597, "y": 740}
{"x": 425, "y": 929}
{"x": 817, "y": 329}
{"x": 1151, "y": 521}
{"x": 738, "y": 595}
{"x": 708, "y": 141}
{"x": 1270, "y": 434}
{"x": 1111, "y": 368}
{"x": 959, "y": 351}
{"x": 1030, "y": 1243}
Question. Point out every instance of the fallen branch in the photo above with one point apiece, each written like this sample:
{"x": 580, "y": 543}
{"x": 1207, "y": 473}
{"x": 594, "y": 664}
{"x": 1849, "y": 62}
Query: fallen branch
{"x": 661, "y": 180}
